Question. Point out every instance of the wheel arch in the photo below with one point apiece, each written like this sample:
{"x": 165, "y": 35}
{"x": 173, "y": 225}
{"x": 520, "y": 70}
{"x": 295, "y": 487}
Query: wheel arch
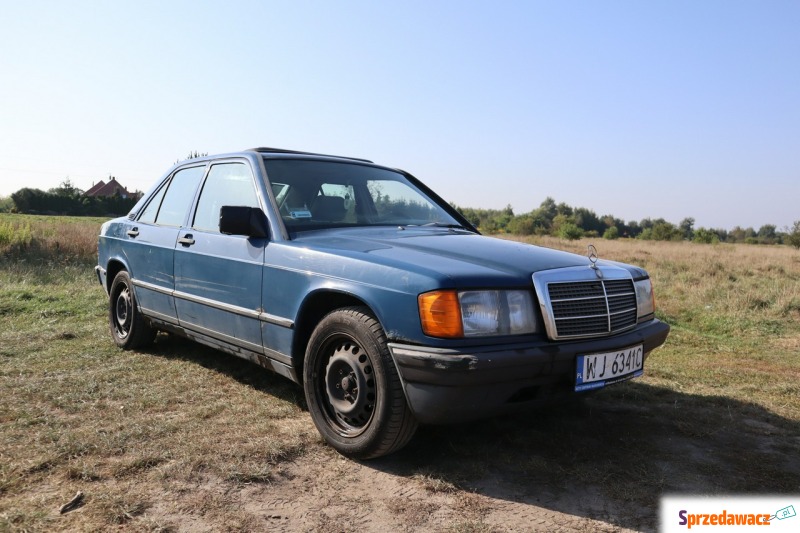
{"x": 313, "y": 309}
{"x": 114, "y": 267}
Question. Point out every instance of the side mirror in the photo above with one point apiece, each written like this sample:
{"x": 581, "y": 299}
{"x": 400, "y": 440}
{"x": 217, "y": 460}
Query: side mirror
{"x": 241, "y": 220}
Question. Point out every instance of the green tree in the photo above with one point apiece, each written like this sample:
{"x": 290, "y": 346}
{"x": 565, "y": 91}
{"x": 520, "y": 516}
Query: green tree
{"x": 686, "y": 228}
{"x": 739, "y": 234}
{"x": 26, "y": 200}
{"x": 192, "y": 155}
{"x": 659, "y": 230}
{"x": 559, "y": 221}
{"x": 66, "y": 189}
{"x": 705, "y": 236}
{"x": 722, "y": 234}
{"x": 570, "y": 231}
{"x": 6, "y": 204}
{"x": 547, "y": 211}
{"x": 766, "y": 234}
{"x": 522, "y": 225}
{"x": 611, "y": 233}
{"x": 588, "y": 220}
{"x": 665, "y": 231}
{"x": 563, "y": 209}
{"x": 632, "y": 229}
{"x": 469, "y": 213}
{"x": 793, "y": 236}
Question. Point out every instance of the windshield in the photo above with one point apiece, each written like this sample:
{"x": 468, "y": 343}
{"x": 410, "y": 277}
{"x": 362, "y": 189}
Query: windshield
{"x": 323, "y": 194}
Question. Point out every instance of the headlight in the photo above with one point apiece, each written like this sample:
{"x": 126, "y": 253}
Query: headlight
{"x": 645, "y": 298}
{"x": 455, "y": 314}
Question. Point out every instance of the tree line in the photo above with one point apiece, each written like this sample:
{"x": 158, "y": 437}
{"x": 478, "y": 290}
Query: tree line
{"x": 550, "y": 218}
{"x": 66, "y": 199}
{"x": 567, "y": 222}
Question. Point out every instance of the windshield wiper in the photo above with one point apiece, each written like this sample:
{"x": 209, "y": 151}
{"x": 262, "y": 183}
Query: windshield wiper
{"x": 443, "y": 225}
{"x": 451, "y": 227}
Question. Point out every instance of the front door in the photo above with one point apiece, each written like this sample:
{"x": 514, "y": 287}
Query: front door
{"x": 218, "y": 277}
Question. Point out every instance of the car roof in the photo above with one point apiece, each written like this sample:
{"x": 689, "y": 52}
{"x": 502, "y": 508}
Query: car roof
{"x": 282, "y": 151}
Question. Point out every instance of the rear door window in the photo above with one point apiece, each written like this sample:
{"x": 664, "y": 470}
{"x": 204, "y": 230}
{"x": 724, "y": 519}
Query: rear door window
{"x": 178, "y": 197}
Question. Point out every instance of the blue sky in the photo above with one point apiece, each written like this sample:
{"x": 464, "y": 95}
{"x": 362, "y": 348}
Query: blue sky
{"x": 636, "y": 109}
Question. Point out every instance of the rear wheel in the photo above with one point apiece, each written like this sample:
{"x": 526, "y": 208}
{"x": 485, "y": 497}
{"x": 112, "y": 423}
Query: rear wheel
{"x": 352, "y": 387}
{"x": 128, "y": 327}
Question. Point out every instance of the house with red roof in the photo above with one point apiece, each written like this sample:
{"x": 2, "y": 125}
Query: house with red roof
{"x": 112, "y": 188}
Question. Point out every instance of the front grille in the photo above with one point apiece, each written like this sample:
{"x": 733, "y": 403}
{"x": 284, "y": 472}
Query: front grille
{"x": 592, "y": 308}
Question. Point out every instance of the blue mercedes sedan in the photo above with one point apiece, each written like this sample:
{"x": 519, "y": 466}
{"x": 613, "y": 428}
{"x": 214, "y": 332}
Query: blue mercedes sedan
{"x": 362, "y": 285}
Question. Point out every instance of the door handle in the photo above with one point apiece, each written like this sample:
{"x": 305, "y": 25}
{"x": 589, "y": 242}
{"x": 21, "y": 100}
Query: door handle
{"x": 133, "y": 232}
{"x": 186, "y": 240}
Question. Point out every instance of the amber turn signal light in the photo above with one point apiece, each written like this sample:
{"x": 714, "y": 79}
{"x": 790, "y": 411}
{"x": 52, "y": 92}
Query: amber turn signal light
{"x": 440, "y": 313}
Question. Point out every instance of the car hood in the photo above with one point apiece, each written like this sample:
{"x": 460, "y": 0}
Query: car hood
{"x": 465, "y": 258}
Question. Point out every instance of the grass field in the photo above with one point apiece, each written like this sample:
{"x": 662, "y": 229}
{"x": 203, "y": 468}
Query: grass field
{"x": 185, "y": 438}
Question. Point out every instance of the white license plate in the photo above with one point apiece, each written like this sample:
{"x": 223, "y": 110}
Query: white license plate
{"x": 600, "y": 369}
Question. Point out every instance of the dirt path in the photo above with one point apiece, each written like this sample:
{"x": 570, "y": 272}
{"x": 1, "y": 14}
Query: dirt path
{"x": 327, "y": 493}
{"x": 347, "y": 496}
{"x": 596, "y": 467}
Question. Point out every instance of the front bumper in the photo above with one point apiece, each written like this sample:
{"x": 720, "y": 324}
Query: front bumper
{"x": 456, "y": 385}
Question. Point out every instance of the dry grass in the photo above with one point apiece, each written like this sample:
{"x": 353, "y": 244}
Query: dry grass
{"x": 124, "y": 427}
{"x": 734, "y": 312}
{"x": 59, "y": 239}
{"x": 174, "y": 438}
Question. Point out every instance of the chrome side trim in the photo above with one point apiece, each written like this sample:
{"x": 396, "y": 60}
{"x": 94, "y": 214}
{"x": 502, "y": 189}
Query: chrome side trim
{"x": 277, "y": 320}
{"x": 269, "y": 362}
{"x": 255, "y": 314}
{"x": 160, "y": 316}
{"x": 152, "y": 287}
{"x": 223, "y": 337}
{"x": 247, "y": 345}
{"x": 278, "y": 356}
{"x": 235, "y": 309}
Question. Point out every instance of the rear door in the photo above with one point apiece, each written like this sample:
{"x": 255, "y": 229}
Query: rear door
{"x": 150, "y": 242}
{"x": 218, "y": 277}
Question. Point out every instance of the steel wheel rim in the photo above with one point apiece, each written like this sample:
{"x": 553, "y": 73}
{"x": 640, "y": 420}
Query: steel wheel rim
{"x": 123, "y": 311}
{"x": 348, "y": 388}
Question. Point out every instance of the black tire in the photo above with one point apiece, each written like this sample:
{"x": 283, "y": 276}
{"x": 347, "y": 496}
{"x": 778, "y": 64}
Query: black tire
{"x": 352, "y": 387}
{"x": 128, "y": 327}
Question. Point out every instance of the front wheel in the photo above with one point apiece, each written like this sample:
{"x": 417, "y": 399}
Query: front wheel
{"x": 352, "y": 387}
{"x": 128, "y": 327}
